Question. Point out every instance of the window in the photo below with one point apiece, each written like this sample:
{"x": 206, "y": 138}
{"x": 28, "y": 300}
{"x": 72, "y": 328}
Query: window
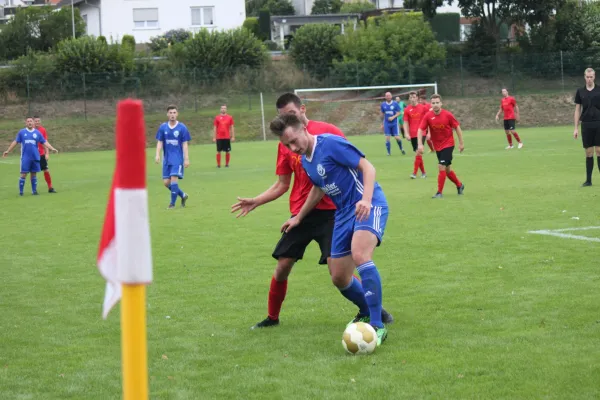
{"x": 145, "y": 18}
{"x": 203, "y": 16}
{"x": 85, "y": 21}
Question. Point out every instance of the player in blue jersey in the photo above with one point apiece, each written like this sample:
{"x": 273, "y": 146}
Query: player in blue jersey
{"x": 340, "y": 170}
{"x": 29, "y": 138}
{"x": 173, "y": 137}
{"x": 400, "y": 118}
{"x": 390, "y": 111}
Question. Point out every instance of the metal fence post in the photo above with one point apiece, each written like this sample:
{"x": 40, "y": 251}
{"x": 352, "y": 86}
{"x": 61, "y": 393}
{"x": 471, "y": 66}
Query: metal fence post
{"x": 562, "y": 71}
{"x": 84, "y": 97}
{"x": 462, "y": 83}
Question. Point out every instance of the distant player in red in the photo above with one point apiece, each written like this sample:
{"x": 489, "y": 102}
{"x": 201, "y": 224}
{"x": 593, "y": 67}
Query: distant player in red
{"x": 317, "y": 226}
{"x": 441, "y": 124}
{"x": 224, "y": 134}
{"x": 412, "y": 121}
{"x": 508, "y": 106}
{"x": 44, "y": 155}
{"x": 424, "y": 102}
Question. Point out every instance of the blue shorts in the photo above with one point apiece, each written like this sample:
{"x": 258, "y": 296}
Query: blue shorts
{"x": 172, "y": 170}
{"x": 29, "y": 165}
{"x": 346, "y": 225}
{"x": 390, "y": 130}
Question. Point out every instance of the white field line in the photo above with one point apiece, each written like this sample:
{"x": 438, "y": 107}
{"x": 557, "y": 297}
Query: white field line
{"x": 559, "y": 233}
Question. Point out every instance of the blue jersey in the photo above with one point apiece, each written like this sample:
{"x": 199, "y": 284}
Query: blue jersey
{"x": 173, "y": 139}
{"x": 29, "y": 140}
{"x": 389, "y": 110}
{"x": 333, "y": 167}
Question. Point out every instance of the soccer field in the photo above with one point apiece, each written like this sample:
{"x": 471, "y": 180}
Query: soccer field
{"x": 483, "y": 308}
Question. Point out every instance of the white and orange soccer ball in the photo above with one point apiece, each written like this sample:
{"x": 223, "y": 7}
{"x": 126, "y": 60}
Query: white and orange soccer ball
{"x": 359, "y": 338}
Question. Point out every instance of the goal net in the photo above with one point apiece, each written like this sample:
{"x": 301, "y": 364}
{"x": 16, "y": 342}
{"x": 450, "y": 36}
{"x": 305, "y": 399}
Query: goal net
{"x": 356, "y": 110}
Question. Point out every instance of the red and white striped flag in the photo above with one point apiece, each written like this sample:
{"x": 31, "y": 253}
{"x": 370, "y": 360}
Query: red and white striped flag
{"x": 125, "y": 255}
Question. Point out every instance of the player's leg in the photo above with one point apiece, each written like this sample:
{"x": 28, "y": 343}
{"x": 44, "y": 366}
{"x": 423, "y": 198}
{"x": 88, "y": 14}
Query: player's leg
{"x": 517, "y": 137}
{"x": 46, "y": 170}
{"x": 396, "y": 135}
{"x": 367, "y": 235}
{"x": 227, "y": 152}
{"x": 442, "y": 174}
{"x": 388, "y": 146}
{"x": 587, "y": 139}
{"x": 460, "y": 187}
{"x": 25, "y": 167}
{"x": 597, "y": 146}
{"x": 507, "y": 129}
{"x": 421, "y": 163}
{"x": 35, "y": 168}
{"x": 219, "y": 150}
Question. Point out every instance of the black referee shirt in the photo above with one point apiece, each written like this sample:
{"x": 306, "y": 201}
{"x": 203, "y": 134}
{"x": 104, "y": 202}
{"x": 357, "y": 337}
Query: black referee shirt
{"x": 590, "y": 103}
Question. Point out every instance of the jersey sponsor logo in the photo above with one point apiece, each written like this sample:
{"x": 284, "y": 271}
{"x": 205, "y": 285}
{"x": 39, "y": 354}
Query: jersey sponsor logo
{"x": 438, "y": 126}
{"x": 29, "y": 141}
{"x": 172, "y": 142}
{"x": 296, "y": 160}
{"x": 321, "y": 171}
{"x": 331, "y": 190}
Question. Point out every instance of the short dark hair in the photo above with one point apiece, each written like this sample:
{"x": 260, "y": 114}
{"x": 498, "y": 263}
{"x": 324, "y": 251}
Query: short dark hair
{"x": 286, "y": 99}
{"x": 171, "y": 107}
{"x": 436, "y": 96}
{"x": 29, "y": 117}
{"x": 281, "y": 122}
{"x": 423, "y": 96}
{"x": 36, "y": 116}
{"x": 412, "y": 92}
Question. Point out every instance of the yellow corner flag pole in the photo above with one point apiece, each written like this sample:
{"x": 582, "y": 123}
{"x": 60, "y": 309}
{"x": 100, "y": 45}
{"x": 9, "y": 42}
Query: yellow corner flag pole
{"x": 134, "y": 349}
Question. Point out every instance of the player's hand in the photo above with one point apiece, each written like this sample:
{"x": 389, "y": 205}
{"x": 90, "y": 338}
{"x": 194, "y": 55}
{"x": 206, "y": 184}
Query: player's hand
{"x": 461, "y": 147}
{"x": 363, "y": 209}
{"x": 244, "y": 205}
{"x": 497, "y": 118}
{"x": 55, "y": 151}
{"x": 47, "y": 156}
{"x": 5, "y": 154}
{"x": 186, "y": 163}
{"x": 428, "y": 137}
{"x": 390, "y": 119}
{"x": 420, "y": 149}
{"x": 575, "y": 133}
{"x": 517, "y": 120}
{"x": 157, "y": 160}
{"x": 290, "y": 224}
{"x": 214, "y": 139}
{"x": 233, "y": 139}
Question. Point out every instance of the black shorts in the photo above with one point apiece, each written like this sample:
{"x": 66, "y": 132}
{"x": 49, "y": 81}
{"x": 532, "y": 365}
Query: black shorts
{"x": 317, "y": 226}
{"x": 223, "y": 145}
{"x": 509, "y": 125}
{"x": 43, "y": 163}
{"x": 445, "y": 156}
{"x": 415, "y": 142}
{"x": 590, "y": 134}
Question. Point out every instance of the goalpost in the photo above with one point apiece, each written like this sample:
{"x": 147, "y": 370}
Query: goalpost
{"x": 355, "y": 110}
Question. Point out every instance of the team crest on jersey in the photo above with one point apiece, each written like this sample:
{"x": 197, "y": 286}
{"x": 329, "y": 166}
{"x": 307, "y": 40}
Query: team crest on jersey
{"x": 321, "y": 171}
{"x": 176, "y": 133}
{"x": 34, "y": 135}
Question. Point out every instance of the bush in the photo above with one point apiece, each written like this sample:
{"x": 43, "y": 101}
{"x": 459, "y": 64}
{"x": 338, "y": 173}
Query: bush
{"x": 102, "y": 39}
{"x": 389, "y": 51}
{"x": 357, "y": 8}
{"x": 271, "y": 45}
{"x": 219, "y": 53}
{"x": 169, "y": 38}
{"x": 251, "y": 24}
{"x": 128, "y": 41}
{"x": 315, "y": 47}
{"x": 89, "y": 55}
{"x": 35, "y": 71}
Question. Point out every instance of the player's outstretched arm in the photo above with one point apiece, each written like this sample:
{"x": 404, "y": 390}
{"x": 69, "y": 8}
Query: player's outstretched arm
{"x": 10, "y": 148}
{"x": 159, "y": 146}
{"x": 186, "y": 154}
{"x": 498, "y": 113}
{"x": 49, "y": 146}
{"x": 576, "y": 120}
{"x": 314, "y": 197}
{"x": 363, "y": 207}
{"x": 461, "y": 144}
{"x": 517, "y": 113}
{"x": 278, "y": 189}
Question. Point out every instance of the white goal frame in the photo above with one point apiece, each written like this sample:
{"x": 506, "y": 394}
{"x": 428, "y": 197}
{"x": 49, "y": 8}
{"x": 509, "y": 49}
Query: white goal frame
{"x": 340, "y": 89}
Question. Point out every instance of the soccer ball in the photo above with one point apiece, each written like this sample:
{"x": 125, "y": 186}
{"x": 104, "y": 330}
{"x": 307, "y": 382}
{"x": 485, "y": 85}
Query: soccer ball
{"x": 359, "y": 338}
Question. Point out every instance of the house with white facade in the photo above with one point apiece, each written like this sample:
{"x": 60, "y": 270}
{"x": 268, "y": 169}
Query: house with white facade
{"x": 144, "y": 19}
{"x": 9, "y": 7}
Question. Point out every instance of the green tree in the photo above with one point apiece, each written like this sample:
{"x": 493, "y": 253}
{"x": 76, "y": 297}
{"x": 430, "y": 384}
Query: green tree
{"x": 87, "y": 54}
{"x": 326, "y": 7}
{"x": 389, "y": 51}
{"x": 275, "y": 7}
{"x": 37, "y": 29}
{"x": 357, "y": 8}
{"x": 315, "y": 47}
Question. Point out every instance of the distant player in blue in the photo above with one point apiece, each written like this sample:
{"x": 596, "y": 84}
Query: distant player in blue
{"x": 390, "y": 111}
{"x": 400, "y": 118}
{"x": 173, "y": 137}
{"x": 29, "y": 138}
{"x": 341, "y": 171}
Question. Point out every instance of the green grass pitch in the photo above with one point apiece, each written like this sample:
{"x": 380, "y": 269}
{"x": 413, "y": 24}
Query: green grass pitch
{"x": 483, "y": 308}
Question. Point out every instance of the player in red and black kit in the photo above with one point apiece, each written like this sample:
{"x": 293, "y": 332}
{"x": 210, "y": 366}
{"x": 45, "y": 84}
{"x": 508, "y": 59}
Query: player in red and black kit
{"x": 423, "y": 101}
{"x": 44, "y": 156}
{"x": 317, "y": 226}
{"x": 224, "y": 134}
{"x": 508, "y": 106}
{"x": 412, "y": 120}
{"x": 441, "y": 124}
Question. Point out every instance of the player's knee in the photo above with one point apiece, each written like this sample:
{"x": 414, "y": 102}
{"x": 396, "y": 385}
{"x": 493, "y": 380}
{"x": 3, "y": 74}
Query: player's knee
{"x": 340, "y": 279}
{"x": 589, "y": 152}
{"x": 441, "y": 167}
{"x": 283, "y": 268}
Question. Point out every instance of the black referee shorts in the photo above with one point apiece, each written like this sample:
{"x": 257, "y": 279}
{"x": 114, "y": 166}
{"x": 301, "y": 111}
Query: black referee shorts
{"x": 317, "y": 226}
{"x": 590, "y": 134}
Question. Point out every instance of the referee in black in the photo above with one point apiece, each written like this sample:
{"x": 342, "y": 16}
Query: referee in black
{"x": 587, "y": 110}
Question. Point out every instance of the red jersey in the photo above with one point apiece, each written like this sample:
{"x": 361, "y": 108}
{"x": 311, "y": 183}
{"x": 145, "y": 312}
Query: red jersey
{"x": 413, "y": 115}
{"x": 223, "y": 123}
{"x": 508, "y": 105}
{"x": 289, "y": 162}
{"x": 41, "y": 147}
{"x": 441, "y": 128}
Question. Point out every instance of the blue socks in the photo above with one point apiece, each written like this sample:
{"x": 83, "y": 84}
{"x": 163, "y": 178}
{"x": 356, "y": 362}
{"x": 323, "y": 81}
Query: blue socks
{"x": 174, "y": 192}
{"x": 34, "y": 184}
{"x": 21, "y": 185}
{"x": 388, "y": 147}
{"x": 354, "y": 293}
{"x": 371, "y": 283}
{"x": 400, "y": 144}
